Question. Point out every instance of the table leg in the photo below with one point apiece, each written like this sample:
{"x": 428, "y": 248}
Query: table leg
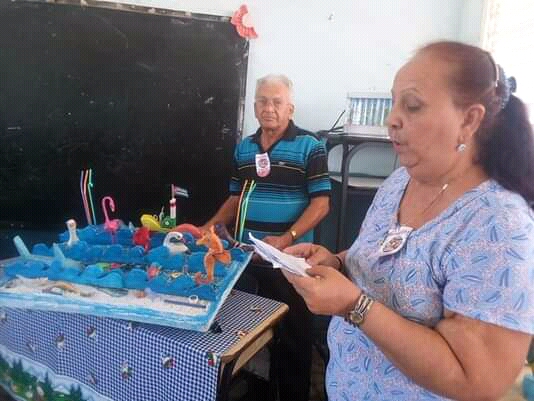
{"x": 274, "y": 374}
{"x": 345, "y": 161}
{"x": 225, "y": 382}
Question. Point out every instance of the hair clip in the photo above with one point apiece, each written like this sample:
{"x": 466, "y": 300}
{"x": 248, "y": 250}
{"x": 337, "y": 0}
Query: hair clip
{"x": 509, "y": 86}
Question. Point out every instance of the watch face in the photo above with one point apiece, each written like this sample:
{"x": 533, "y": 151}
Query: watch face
{"x": 355, "y": 317}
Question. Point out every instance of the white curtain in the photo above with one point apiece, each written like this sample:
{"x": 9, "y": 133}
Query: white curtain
{"x": 508, "y": 33}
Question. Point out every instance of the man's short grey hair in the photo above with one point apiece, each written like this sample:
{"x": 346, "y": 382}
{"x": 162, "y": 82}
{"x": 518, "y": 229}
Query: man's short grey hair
{"x": 276, "y": 79}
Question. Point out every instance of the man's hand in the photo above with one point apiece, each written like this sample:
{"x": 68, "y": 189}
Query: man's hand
{"x": 279, "y": 241}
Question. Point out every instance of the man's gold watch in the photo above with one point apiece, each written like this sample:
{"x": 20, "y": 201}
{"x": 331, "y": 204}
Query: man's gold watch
{"x": 293, "y": 234}
{"x": 357, "y": 315}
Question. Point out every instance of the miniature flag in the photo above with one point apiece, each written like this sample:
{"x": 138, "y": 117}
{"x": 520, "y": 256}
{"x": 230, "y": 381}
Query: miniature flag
{"x": 181, "y": 192}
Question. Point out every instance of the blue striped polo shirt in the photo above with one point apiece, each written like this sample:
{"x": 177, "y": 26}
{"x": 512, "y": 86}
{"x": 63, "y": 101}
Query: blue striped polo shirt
{"x": 299, "y": 171}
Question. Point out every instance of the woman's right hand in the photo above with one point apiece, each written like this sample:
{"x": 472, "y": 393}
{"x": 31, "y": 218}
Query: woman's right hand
{"x": 314, "y": 254}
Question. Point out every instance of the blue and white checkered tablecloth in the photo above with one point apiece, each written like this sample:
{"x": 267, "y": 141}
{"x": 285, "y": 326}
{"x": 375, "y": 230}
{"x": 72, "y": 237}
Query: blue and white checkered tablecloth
{"x": 127, "y": 361}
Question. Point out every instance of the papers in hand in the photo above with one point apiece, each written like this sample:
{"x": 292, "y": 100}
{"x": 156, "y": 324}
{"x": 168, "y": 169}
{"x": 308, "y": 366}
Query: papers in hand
{"x": 278, "y": 258}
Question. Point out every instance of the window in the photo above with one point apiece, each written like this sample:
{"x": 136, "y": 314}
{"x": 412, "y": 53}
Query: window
{"x": 508, "y": 33}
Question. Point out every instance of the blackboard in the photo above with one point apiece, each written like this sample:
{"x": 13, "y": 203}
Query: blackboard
{"x": 144, "y": 99}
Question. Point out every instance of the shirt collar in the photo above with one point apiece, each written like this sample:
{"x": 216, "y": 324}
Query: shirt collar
{"x": 289, "y": 134}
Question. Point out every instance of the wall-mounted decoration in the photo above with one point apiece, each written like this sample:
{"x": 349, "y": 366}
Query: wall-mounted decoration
{"x": 243, "y": 23}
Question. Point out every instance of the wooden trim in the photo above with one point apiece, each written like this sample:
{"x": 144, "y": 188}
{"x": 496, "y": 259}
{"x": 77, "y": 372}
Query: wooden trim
{"x": 253, "y": 341}
{"x": 251, "y": 350}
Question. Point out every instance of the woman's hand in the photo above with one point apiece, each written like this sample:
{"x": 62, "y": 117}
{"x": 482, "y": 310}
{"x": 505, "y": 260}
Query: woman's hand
{"x": 314, "y": 254}
{"x": 325, "y": 290}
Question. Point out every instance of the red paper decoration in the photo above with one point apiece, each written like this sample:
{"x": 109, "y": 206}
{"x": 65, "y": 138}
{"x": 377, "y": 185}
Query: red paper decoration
{"x": 243, "y": 23}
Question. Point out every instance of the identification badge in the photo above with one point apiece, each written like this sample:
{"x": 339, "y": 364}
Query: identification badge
{"x": 395, "y": 240}
{"x": 263, "y": 164}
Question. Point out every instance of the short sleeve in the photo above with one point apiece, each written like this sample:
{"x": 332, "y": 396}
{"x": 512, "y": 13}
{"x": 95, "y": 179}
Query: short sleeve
{"x": 490, "y": 267}
{"x": 318, "y": 180}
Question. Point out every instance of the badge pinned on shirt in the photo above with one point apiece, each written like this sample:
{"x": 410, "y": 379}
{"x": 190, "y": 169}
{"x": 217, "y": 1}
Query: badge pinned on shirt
{"x": 263, "y": 164}
{"x": 395, "y": 240}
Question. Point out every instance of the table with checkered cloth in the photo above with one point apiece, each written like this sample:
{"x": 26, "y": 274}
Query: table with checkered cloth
{"x": 128, "y": 361}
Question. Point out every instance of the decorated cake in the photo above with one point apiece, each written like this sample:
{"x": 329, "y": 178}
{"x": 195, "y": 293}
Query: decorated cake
{"x": 173, "y": 275}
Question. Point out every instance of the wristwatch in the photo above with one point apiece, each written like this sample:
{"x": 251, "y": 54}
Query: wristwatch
{"x": 293, "y": 234}
{"x": 357, "y": 315}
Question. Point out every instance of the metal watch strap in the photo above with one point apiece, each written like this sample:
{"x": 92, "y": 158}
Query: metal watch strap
{"x": 357, "y": 315}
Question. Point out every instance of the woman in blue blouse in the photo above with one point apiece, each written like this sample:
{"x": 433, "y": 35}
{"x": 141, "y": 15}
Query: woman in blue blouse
{"x": 435, "y": 298}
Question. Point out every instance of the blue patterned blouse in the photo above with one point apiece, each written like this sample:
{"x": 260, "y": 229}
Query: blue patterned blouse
{"x": 476, "y": 258}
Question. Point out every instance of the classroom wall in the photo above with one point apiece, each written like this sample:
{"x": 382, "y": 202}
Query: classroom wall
{"x": 471, "y": 21}
{"x": 359, "y": 48}
{"x": 331, "y": 48}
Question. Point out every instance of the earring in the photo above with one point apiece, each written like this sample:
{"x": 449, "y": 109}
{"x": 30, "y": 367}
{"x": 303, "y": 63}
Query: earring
{"x": 461, "y": 147}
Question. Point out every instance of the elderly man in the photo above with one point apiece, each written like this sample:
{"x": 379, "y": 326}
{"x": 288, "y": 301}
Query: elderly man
{"x": 279, "y": 191}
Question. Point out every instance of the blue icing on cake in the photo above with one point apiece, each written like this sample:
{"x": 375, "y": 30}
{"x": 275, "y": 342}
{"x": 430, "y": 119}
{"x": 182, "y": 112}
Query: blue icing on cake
{"x": 42, "y": 250}
{"x": 117, "y": 274}
{"x": 136, "y": 279}
{"x": 238, "y": 254}
{"x": 204, "y": 292}
{"x": 111, "y": 280}
{"x": 113, "y": 262}
{"x": 195, "y": 262}
{"x": 182, "y": 282}
{"x": 175, "y": 262}
{"x": 59, "y": 273}
{"x": 157, "y": 254}
{"x": 158, "y": 284}
{"x": 29, "y": 269}
{"x": 97, "y": 235}
{"x": 93, "y": 271}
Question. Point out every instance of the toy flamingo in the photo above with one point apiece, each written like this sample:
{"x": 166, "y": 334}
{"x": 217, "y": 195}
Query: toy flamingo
{"x": 216, "y": 252}
{"x": 111, "y": 226}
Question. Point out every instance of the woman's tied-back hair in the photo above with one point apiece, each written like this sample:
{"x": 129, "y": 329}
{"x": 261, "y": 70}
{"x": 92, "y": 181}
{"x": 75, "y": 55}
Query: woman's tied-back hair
{"x": 505, "y": 141}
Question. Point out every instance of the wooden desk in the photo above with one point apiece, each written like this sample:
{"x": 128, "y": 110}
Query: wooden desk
{"x": 351, "y": 145}
{"x": 241, "y": 352}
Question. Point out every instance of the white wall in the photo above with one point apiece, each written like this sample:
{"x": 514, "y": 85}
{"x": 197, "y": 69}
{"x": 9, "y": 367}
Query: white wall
{"x": 471, "y": 21}
{"x": 360, "y": 48}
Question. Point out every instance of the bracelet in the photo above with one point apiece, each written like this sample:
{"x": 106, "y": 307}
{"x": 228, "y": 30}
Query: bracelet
{"x": 357, "y": 315}
{"x": 341, "y": 264}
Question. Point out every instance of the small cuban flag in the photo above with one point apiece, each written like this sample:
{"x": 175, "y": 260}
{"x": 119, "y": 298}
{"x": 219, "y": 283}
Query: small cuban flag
{"x": 177, "y": 191}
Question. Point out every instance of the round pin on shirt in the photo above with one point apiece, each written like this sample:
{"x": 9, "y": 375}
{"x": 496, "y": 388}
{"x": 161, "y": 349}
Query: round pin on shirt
{"x": 263, "y": 164}
{"x": 395, "y": 240}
